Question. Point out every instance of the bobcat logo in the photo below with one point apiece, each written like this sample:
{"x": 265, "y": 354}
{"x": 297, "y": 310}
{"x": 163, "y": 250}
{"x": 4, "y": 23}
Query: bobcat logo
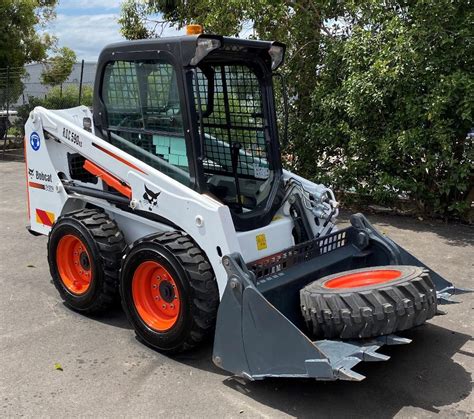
{"x": 31, "y": 172}
{"x": 151, "y": 197}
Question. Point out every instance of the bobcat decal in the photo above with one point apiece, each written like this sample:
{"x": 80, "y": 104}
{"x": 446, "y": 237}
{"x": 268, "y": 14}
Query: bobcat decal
{"x": 151, "y": 197}
{"x": 31, "y": 172}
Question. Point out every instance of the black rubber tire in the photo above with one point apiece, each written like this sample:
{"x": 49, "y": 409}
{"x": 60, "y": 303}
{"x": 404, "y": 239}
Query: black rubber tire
{"x": 369, "y": 311}
{"x": 105, "y": 244}
{"x": 197, "y": 288}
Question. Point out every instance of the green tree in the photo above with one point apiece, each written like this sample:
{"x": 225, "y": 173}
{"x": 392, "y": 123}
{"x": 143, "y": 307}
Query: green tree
{"x": 20, "y": 43}
{"x": 381, "y": 92}
{"x": 59, "y": 67}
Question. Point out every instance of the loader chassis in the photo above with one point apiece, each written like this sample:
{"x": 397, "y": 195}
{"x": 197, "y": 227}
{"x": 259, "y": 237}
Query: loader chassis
{"x": 176, "y": 177}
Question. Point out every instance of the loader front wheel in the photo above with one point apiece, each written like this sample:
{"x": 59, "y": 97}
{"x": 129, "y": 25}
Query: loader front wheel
{"x": 84, "y": 253}
{"x": 169, "y": 292}
{"x": 368, "y": 302}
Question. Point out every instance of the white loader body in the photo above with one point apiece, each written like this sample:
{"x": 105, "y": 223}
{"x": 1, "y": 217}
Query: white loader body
{"x": 51, "y": 134}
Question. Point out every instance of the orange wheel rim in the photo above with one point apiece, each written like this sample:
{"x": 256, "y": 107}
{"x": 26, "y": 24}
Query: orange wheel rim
{"x": 74, "y": 264}
{"x": 155, "y": 296}
{"x": 363, "y": 279}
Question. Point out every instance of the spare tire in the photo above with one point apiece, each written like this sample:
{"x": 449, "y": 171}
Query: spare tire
{"x": 368, "y": 302}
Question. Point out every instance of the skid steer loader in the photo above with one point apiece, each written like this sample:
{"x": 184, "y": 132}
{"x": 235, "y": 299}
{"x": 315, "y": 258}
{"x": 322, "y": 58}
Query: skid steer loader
{"x": 170, "y": 197}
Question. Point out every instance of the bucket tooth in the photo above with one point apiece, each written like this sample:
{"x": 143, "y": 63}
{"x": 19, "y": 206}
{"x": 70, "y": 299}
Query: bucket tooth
{"x": 393, "y": 340}
{"x": 347, "y": 374}
{"x": 372, "y": 356}
{"x": 459, "y": 291}
{"x": 445, "y": 295}
{"x": 368, "y": 352}
{"x": 343, "y": 369}
{"x": 445, "y": 298}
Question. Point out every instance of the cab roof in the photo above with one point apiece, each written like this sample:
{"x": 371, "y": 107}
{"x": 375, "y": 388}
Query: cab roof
{"x": 184, "y": 47}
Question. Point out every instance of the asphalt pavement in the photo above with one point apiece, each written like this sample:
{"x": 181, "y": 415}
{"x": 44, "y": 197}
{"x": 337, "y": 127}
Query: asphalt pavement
{"x": 57, "y": 363}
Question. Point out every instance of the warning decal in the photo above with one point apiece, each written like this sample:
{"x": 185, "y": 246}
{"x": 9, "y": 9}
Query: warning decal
{"x": 261, "y": 241}
{"x": 45, "y": 217}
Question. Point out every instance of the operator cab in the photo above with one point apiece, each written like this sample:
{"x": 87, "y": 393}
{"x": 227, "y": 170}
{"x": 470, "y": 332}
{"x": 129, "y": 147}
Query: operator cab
{"x": 201, "y": 110}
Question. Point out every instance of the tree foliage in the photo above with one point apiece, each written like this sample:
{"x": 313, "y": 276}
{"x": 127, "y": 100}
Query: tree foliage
{"x": 59, "y": 67}
{"x": 20, "y": 42}
{"x": 381, "y": 92}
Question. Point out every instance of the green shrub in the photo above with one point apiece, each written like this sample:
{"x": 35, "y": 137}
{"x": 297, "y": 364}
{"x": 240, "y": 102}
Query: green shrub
{"x": 56, "y": 98}
{"x": 392, "y": 107}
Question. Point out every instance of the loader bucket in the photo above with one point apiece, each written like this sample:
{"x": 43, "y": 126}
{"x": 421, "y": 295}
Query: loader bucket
{"x": 260, "y": 331}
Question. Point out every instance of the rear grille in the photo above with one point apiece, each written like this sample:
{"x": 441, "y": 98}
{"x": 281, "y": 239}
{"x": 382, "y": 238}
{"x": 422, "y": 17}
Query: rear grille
{"x": 302, "y": 252}
{"x": 76, "y": 168}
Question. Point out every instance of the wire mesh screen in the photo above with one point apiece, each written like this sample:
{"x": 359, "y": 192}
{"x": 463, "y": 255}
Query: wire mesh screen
{"x": 144, "y": 114}
{"x": 122, "y": 96}
{"x": 142, "y": 94}
{"x": 232, "y": 119}
{"x": 161, "y": 109}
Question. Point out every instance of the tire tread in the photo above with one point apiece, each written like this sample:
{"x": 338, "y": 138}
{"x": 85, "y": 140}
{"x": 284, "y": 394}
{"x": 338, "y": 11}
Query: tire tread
{"x": 111, "y": 244}
{"x": 369, "y": 312}
{"x": 205, "y": 294}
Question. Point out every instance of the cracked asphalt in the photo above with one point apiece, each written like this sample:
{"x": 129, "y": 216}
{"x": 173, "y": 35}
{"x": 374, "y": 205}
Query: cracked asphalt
{"x": 106, "y": 372}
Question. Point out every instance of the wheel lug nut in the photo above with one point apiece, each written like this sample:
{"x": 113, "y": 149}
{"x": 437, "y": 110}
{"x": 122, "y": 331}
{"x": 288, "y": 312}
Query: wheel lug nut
{"x": 172, "y": 305}
{"x": 164, "y": 306}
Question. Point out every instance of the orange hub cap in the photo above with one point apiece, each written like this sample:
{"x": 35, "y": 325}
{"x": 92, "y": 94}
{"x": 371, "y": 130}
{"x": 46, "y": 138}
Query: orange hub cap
{"x": 363, "y": 279}
{"x": 155, "y": 296}
{"x": 74, "y": 264}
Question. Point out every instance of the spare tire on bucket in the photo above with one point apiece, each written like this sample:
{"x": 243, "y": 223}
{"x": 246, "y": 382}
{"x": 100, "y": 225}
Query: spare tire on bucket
{"x": 368, "y": 302}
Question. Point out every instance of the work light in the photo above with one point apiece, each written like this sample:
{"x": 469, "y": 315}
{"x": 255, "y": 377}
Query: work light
{"x": 276, "y": 53}
{"x": 204, "y": 47}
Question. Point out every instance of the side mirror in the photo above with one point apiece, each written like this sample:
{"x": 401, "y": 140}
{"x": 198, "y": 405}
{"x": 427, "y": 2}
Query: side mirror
{"x": 284, "y": 98}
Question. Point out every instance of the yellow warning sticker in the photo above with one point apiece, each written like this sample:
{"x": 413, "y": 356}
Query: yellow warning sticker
{"x": 261, "y": 241}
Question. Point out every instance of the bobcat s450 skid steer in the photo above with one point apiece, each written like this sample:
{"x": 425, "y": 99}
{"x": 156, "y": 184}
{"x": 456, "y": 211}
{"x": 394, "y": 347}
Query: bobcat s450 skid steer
{"x": 171, "y": 197}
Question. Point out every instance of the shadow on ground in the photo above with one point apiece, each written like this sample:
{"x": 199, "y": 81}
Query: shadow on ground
{"x": 112, "y": 317}
{"x": 454, "y": 234}
{"x": 421, "y": 374}
{"x": 200, "y": 358}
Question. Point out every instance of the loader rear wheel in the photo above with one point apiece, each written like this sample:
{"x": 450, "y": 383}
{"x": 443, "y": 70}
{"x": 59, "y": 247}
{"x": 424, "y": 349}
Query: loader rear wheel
{"x": 169, "y": 292}
{"x": 368, "y": 302}
{"x": 84, "y": 253}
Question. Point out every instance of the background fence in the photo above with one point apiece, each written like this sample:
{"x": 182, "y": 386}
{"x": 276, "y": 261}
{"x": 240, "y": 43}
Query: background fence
{"x": 21, "y": 90}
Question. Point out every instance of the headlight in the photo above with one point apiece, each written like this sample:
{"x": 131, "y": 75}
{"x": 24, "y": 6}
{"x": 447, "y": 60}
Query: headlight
{"x": 204, "y": 47}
